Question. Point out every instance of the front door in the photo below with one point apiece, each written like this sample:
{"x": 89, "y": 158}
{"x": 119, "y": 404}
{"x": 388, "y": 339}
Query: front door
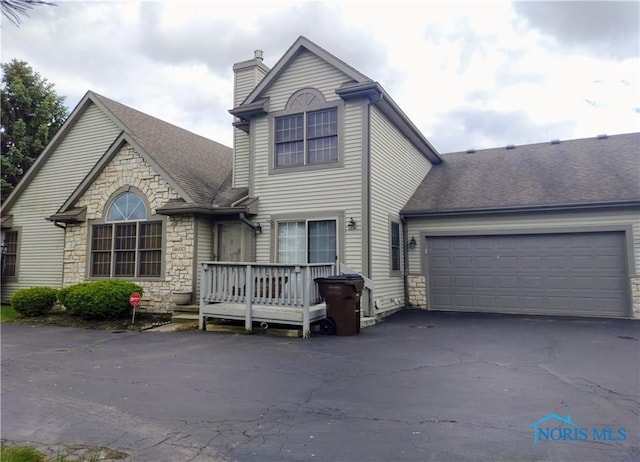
{"x": 231, "y": 242}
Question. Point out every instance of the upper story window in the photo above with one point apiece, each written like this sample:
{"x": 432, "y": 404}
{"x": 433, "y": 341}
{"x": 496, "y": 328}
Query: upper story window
{"x": 130, "y": 244}
{"x": 307, "y": 132}
{"x": 307, "y": 138}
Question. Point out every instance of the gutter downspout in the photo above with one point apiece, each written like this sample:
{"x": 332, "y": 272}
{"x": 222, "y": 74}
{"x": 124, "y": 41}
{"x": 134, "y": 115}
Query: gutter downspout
{"x": 257, "y": 229}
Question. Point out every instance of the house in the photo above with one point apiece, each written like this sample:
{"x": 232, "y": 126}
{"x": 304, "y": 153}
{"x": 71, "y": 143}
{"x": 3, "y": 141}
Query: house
{"x": 326, "y": 174}
{"x": 549, "y": 228}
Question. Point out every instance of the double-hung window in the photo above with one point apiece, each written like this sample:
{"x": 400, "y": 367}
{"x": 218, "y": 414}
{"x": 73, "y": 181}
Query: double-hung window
{"x": 307, "y": 138}
{"x": 308, "y": 241}
{"x": 129, "y": 244}
{"x": 10, "y": 254}
{"x": 306, "y": 132}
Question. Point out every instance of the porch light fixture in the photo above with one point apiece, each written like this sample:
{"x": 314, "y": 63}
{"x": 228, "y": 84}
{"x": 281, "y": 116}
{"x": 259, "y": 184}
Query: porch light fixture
{"x": 258, "y": 229}
{"x": 352, "y": 224}
{"x": 412, "y": 243}
{"x": 4, "y": 247}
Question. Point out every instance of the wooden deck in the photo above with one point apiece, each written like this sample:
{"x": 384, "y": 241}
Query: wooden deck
{"x": 261, "y": 313}
{"x": 272, "y": 293}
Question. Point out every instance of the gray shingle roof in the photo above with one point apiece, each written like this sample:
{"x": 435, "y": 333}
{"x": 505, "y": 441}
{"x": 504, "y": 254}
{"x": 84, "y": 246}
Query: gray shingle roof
{"x": 572, "y": 173}
{"x": 196, "y": 164}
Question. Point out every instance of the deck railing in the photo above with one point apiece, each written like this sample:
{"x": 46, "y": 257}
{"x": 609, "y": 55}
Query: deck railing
{"x": 270, "y": 284}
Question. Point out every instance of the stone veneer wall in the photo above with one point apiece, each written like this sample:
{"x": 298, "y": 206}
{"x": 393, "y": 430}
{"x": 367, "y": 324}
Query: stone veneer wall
{"x": 128, "y": 168}
{"x": 635, "y": 297}
{"x": 417, "y": 287}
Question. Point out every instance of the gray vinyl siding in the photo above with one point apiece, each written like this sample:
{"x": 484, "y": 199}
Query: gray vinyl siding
{"x": 204, "y": 249}
{"x": 41, "y": 243}
{"x": 317, "y": 191}
{"x": 532, "y": 222}
{"x": 312, "y": 192}
{"x": 306, "y": 70}
{"x": 397, "y": 168}
{"x": 241, "y": 157}
{"x": 245, "y": 81}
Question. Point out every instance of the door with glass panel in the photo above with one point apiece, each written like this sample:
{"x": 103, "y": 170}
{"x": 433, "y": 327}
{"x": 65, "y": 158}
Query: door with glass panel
{"x": 230, "y": 242}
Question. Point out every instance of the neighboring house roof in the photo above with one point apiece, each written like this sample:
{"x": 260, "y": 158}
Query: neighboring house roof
{"x": 255, "y": 104}
{"x": 570, "y": 174}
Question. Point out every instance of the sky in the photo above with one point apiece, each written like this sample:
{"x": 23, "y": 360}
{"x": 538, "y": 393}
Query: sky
{"x": 472, "y": 74}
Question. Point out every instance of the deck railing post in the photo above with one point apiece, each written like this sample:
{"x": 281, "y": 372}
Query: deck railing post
{"x": 248, "y": 295}
{"x": 205, "y": 290}
{"x": 306, "y": 283}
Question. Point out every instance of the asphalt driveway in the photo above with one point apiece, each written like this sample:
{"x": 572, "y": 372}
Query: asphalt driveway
{"x": 418, "y": 386}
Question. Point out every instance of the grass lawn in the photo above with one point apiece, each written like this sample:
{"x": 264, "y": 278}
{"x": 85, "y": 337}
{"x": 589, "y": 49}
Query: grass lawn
{"x": 7, "y": 313}
{"x": 77, "y": 453}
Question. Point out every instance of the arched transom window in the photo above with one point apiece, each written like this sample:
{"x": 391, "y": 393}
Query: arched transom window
{"x": 129, "y": 244}
{"x": 308, "y": 133}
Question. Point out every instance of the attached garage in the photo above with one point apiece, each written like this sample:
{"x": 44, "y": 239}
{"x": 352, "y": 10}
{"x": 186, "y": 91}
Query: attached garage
{"x": 572, "y": 274}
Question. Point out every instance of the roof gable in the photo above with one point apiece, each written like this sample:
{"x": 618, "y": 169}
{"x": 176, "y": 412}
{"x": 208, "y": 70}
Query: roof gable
{"x": 48, "y": 151}
{"x": 195, "y": 166}
{"x": 300, "y": 45}
{"x": 571, "y": 174}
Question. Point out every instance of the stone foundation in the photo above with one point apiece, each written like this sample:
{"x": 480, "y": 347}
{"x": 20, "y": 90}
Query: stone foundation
{"x": 635, "y": 297}
{"x": 417, "y": 288}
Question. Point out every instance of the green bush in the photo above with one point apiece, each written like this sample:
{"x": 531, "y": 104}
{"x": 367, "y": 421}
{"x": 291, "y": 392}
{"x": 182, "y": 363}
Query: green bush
{"x": 35, "y": 301}
{"x": 108, "y": 299}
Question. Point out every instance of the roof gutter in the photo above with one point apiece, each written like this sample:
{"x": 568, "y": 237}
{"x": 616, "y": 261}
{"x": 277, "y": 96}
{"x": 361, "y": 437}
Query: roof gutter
{"x": 521, "y": 209}
{"x": 197, "y": 209}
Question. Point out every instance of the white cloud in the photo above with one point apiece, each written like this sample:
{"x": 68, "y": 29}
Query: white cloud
{"x": 468, "y": 74}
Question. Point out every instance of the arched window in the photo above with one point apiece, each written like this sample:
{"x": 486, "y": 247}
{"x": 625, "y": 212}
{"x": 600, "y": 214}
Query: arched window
{"x": 307, "y": 131}
{"x": 129, "y": 244}
{"x": 127, "y": 206}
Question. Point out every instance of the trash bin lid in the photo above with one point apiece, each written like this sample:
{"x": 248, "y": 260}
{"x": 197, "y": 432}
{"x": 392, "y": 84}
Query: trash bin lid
{"x": 339, "y": 278}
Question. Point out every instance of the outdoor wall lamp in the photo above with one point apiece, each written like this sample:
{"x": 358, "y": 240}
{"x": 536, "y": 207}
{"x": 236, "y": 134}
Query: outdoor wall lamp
{"x": 4, "y": 247}
{"x": 352, "y": 224}
{"x": 412, "y": 243}
{"x": 258, "y": 229}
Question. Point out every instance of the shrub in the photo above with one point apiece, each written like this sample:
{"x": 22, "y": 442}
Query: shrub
{"x": 35, "y": 301}
{"x": 108, "y": 299}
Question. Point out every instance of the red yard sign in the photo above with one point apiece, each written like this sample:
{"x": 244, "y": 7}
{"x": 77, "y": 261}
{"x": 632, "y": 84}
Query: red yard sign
{"x": 134, "y": 299}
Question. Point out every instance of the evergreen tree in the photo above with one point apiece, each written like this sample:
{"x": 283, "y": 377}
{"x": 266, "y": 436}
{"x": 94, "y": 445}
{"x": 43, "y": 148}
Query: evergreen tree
{"x": 31, "y": 114}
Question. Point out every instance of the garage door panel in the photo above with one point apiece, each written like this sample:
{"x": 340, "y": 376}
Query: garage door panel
{"x": 573, "y": 274}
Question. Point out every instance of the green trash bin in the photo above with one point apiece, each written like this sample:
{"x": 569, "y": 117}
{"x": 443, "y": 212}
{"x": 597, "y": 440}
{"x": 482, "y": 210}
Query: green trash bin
{"x": 342, "y": 294}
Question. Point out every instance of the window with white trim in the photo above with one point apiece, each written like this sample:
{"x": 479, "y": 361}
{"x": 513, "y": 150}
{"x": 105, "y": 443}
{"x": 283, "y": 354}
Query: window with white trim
{"x": 129, "y": 244}
{"x": 308, "y": 241}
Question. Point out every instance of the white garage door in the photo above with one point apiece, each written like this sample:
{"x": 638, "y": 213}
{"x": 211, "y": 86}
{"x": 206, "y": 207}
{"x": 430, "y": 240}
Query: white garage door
{"x": 576, "y": 274}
